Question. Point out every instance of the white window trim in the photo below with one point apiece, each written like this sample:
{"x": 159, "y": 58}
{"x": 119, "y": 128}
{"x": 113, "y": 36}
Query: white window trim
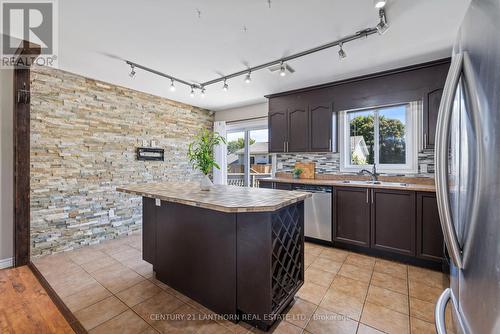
{"x": 411, "y": 138}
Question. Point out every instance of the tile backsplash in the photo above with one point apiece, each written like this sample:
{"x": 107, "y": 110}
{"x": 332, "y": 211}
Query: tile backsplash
{"x": 329, "y": 163}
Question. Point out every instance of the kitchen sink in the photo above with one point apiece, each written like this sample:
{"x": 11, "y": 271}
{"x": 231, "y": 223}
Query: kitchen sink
{"x": 394, "y": 184}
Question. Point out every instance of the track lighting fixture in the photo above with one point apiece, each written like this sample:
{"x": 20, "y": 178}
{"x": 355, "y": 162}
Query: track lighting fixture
{"x": 342, "y": 54}
{"x": 382, "y": 26}
{"x": 280, "y": 65}
{"x": 379, "y": 3}
{"x": 282, "y": 69}
{"x": 248, "y": 79}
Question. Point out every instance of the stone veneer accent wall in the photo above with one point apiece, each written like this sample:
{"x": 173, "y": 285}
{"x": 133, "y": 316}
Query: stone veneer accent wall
{"x": 84, "y": 134}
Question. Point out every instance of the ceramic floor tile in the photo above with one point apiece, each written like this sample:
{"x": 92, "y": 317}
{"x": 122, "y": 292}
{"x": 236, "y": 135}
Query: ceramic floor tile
{"x": 428, "y": 277}
{"x": 213, "y": 328}
{"x": 389, "y": 282}
{"x": 422, "y": 309}
{"x": 384, "y": 319}
{"x": 117, "y": 278}
{"x": 313, "y": 251}
{"x": 424, "y": 292}
{"x": 387, "y": 298}
{"x": 86, "y": 297}
{"x": 334, "y": 254}
{"x": 300, "y": 312}
{"x": 282, "y": 327}
{"x": 354, "y": 272}
{"x": 84, "y": 255}
{"x": 350, "y": 286}
{"x": 342, "y": 303}
{"x": 311, "y": 292}
{"x": 326, "y": 265}
{"x": 361, "y": 261}
{"x": 129, "y": 254}
{"x": 100, "y": 263}
{"x": 126, "y": 323}
{"x": 319, "y": 276}
{"x": 326, "y": 322}
{"x": 100, "y": 312}
{"x": 421, "y": 327}
{"x": 184, "y": 319}
{"x": 162, "y": 303}
{"x": 364, "y": 329}
{"x": 74, "y": 285}
{"x": 391, "y": 268}
{"x": 308, "y": 259}
{"x": 138, "y": 293}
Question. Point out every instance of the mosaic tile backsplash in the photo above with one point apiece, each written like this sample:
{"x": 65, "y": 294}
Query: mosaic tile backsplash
{"x": 329, "y": 163}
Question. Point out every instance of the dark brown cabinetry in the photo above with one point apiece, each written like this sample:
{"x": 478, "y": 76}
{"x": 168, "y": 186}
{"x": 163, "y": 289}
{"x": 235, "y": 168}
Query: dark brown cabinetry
{"x": 393, "y": 221}
{"x": 265, "y": 184}
{"x": 351, "y": 214}
{"x": 298, "y": 129}
{"x": 278, "y": 130}
{"x": 430, "y": 241}
{"x": 321, "y": 127}
{"x": 431, "y": 110}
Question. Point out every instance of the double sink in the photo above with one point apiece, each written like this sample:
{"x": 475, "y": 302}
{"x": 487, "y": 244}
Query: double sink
{"x": 392, "y": 184}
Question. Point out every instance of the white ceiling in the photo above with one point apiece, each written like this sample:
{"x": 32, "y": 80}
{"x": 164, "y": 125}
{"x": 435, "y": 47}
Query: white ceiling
{"x": 169, "y": 36}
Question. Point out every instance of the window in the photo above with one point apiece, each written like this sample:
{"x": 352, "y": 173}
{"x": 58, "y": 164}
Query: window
{"x": 381, "y": 136}
{"x": 248, "y": 159}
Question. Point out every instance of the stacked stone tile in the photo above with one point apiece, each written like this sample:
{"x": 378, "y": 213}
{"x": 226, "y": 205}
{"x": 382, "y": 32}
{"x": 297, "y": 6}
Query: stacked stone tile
{"x": 84, "y": 134}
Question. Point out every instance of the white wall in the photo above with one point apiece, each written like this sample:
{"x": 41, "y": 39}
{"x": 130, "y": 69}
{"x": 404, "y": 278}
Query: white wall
{"x": 6, "y": 166}
{"x": 241, "y": 113}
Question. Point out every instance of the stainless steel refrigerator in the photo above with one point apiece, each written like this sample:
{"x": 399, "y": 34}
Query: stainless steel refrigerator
{"x": 468, "y": 173}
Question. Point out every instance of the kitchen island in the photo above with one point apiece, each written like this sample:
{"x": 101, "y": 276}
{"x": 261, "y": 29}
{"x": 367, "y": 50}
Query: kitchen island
{"x": 237, "y": 251}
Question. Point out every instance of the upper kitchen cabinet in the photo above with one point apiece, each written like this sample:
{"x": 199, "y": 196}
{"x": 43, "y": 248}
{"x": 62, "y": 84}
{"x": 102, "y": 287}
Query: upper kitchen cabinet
{"x": 302, "y": 123}
{"x": 278, "y": 130}
{"x": 431, "y": 109}
{"x": 298, "y": 129}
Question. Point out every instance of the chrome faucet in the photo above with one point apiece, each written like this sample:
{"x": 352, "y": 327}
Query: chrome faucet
{"x": 374, "y": 175}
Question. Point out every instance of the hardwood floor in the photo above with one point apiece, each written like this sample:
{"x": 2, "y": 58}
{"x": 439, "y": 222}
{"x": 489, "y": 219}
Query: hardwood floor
{"x": 25, "y": 306}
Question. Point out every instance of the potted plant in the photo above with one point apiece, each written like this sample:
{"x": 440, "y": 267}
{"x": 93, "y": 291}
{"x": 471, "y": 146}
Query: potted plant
{"x": 297, "y": 172}
{"x": 201, "y": 154}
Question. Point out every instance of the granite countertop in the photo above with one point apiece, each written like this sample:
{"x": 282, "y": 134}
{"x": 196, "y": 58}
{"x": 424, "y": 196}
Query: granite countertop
{"x": 342, "y": 183}
{"x": 219, "y": 198}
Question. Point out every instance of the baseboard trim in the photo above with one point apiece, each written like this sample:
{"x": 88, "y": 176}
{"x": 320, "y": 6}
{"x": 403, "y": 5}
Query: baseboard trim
{"x": 6, "y": 263}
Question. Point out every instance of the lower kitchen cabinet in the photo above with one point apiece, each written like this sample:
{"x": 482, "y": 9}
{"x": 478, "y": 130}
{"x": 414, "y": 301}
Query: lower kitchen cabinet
{"x": 351, "y": 216}
{"x": 265, "y": 184}
{"x": 282, "y": 186}
{"x": 393, "y": 221}
{"x": 430, "y": 240}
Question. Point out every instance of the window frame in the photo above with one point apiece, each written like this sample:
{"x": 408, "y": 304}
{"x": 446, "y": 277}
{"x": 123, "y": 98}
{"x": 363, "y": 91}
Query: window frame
{"x": 411, "y": 140}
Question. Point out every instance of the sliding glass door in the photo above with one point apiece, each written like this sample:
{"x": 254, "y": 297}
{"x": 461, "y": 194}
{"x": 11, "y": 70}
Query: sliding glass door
{"x": 248, "y": 159}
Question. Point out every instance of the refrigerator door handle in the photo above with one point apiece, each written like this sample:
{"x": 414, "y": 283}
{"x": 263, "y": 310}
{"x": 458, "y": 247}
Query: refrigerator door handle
{"x": 440, "y": 311}
{"x": 441, "y": 158}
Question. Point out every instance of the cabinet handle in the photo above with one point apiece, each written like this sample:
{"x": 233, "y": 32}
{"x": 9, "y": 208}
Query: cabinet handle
{"x": 284, "y": 146}
{"x": 287, "y": 146}
{"x": 330, "y": 146}
{"x": 367, "y": 195}
{"x": 425, "y": 140}
{"x": 372, "y": 196}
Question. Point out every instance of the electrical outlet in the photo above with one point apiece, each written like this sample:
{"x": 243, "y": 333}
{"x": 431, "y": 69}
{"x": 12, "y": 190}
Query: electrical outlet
{"x": 423, "y": 168}
{"x": 111, "y": 213}
{"x": 144, "y": 143}
{"x": 153, "y": 143}
{"x": 158, "y": 202}
{"x": 279, "y": 165}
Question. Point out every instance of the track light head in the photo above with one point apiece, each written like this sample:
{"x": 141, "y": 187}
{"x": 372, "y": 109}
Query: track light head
{"x": 282, "y": 69}
{"x": 382, "y": 26}
{"x": 225, "y": 87}
{"x": 132, "y": 71}
{"x": 342, "y": 53}
{"x": 192, "y": 91}
{"x": 248, "y": 79}
{"x": 172, "y": 86}
{"x": 379, "y": 3}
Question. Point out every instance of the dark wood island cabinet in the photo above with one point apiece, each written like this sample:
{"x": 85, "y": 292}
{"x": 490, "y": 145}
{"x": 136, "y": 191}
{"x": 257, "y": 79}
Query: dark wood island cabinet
{"x": 237, "y": 251}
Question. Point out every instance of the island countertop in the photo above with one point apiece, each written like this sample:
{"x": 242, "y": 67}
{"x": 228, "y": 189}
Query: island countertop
{"x": 220, "y": 197}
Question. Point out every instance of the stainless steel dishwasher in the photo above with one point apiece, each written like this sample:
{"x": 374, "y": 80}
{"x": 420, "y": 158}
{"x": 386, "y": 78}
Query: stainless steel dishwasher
{"x": 317, "y": 211}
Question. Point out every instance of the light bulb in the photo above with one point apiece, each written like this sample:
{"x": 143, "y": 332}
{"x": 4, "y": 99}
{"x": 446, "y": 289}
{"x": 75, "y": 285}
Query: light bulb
{"x": 248, "y": 79}
{"x": 379, "y": 3}
{"x": 172, "y": 86}
{"x": 283, "y": 69}
{"x": 225, "y": 87}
